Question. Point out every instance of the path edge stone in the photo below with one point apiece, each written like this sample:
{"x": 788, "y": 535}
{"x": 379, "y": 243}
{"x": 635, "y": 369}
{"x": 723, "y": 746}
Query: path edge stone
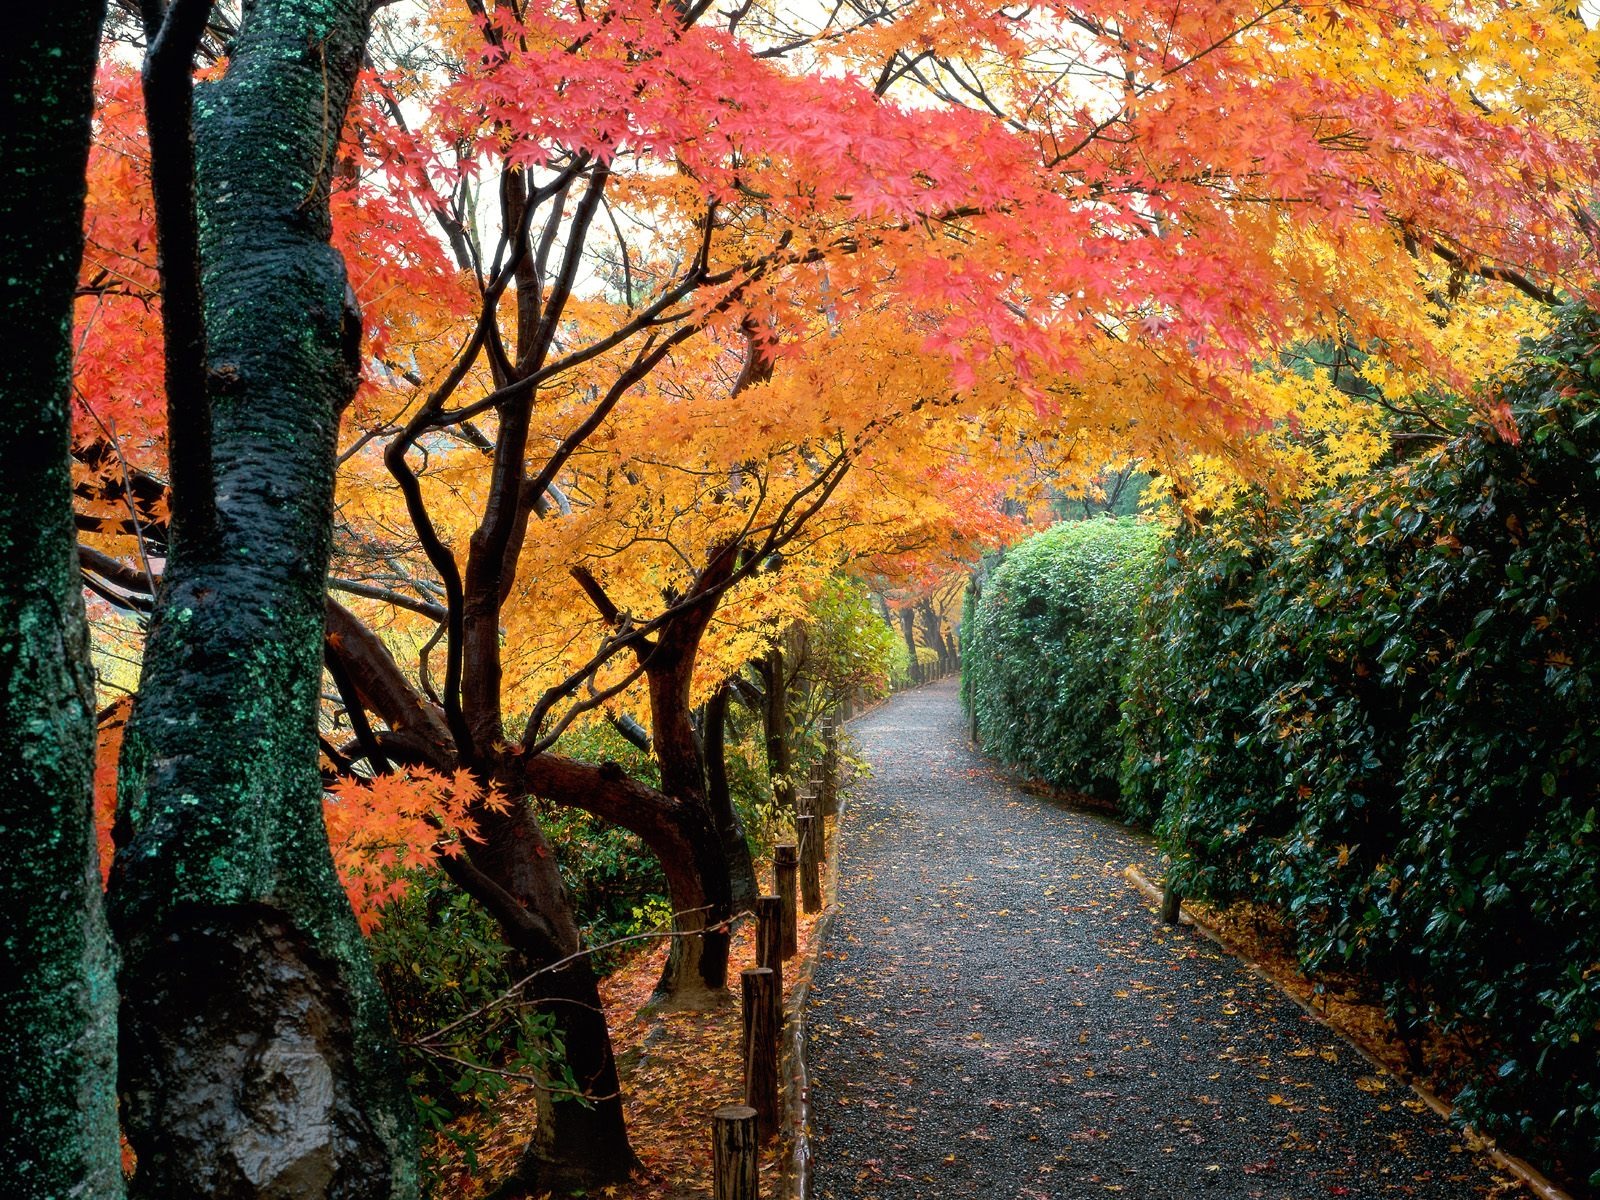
{"x": 794, "y": 1176}
{"x": 1523, "y": 1171}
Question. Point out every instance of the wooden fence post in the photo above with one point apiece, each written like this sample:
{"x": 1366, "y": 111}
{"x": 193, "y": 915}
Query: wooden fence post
{"x": 769, "y": 936}
{"x": 830, "y": 765}
{"x": 785, "y": 867}
{"x": 806, "y": 828}
{"x": 763, "y": 1028}
{"x": 1171, "y": 901}
{"x": 733, "y": 1153}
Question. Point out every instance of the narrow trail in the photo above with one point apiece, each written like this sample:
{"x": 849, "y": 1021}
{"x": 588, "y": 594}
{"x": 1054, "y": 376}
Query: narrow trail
{"x": 999, "y": 1014}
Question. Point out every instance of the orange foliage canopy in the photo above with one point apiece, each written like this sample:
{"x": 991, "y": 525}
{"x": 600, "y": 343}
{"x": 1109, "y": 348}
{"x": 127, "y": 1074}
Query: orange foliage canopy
{"x": 666, "y": 274}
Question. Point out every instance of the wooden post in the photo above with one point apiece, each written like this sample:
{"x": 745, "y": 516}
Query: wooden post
{"x": 733, "y": 1153}
{"x": 785, "y": 867}
{"x": 830, "y": 765}
{"x": 1171, "y": 902}
{"x": 763, "y": 1027}
{"x": 812, "y": 807}
{"x": 810, "y": 862}
{"x": 769, "y": 936}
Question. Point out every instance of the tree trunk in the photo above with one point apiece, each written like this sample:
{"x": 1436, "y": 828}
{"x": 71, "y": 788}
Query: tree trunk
{"x": 580, "y": 1142}
{"x": 688, "y": 855}
{"x": 908, "y": 631}
{"x": 933, "y": 633}
{"x": 678, "y": 824}
{"x": 56, "y": 975}
{"x": 696, "y": 971}
{"x": 735, "y": 845}
{"x": 256, "y": 1054}
{"x": 775, "y": 721}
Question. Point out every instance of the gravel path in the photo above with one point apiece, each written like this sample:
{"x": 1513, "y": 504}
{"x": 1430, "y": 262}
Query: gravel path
{"x": 999, "y": 1014}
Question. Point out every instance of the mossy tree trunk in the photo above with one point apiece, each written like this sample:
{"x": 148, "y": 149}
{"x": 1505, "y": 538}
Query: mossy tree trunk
{"x": 256, "y": 1054}
{"x": 56, "y": 976}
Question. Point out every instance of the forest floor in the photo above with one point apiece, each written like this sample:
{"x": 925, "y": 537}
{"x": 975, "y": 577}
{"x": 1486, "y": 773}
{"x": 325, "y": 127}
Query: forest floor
{"x": 998, "y": 1013}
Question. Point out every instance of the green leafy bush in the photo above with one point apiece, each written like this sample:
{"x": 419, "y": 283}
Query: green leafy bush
{"x": 446, "y": 971}
{"x": 1189, "y": 697}
{"x": 1379, "y": 714}
{"x": 899, "y": 664}
{"x": 849, "y": 648}
{"x": 617, "y": 885}
{"x": 1046, "y": 647}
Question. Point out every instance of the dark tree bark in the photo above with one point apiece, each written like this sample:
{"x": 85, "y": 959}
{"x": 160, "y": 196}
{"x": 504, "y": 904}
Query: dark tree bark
{"x": 775, "y": 725}
{"x": 693, "y": 853}
{"x": 696, "y": 971}
{"x": 57, "y": 988}
{"x": 579, "y": 1141}
{"x": 908, "y": 630}
{"x": 933, "y": 633}
{"x": 256, "y": 1055}
{"x": 736, "y": 846}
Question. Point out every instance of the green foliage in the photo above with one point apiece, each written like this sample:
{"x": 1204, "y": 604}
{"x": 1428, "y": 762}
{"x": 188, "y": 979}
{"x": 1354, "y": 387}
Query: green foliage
{"x": 444, "y": 967}
{"x": 899, "y": 664}
{"x": 1188, "y": 697}
{"x": 844, "y": 647}
{"x": 848, "y": 646}
{"x": 618, "y": 888}
{"x": 617, "y": 885}
{"x": 1046, "y": 648}
{"x": 1378, "y": 713}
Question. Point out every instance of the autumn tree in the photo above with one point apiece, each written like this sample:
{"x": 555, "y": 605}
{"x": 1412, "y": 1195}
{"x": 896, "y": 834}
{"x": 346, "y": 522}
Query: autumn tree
{"x": 1035, "y": 211}
{"x": 56, "y": 972}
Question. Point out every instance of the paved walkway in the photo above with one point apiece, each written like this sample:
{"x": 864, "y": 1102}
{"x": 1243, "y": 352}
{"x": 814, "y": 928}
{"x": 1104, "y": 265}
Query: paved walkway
{"x": 999, "y": 1014}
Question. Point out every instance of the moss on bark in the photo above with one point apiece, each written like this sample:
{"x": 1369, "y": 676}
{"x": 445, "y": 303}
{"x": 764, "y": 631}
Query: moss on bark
{"x": 56, "y": 972}
{"x": 286, "y": 1082}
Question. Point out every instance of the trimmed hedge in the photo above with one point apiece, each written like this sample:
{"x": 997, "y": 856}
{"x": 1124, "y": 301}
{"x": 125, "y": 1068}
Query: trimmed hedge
{"x": 1046, "y": 644}
{"x": 1378, "y": 713}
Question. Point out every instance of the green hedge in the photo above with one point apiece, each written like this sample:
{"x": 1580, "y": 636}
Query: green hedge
{"x": 1378, "y": 713}
{"x": 1045, "y": 647}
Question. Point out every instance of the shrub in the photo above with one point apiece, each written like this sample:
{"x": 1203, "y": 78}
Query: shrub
{"x": 1046, "y": 648}
{"x": 1378, "y": 713}
{"x": 848, "y": 648}
{"x": 1189, "y": 696}
{"x": 443, "y": 965}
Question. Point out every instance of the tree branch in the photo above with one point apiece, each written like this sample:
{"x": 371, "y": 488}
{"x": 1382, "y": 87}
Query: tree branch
{"x": 169, "y": 107}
